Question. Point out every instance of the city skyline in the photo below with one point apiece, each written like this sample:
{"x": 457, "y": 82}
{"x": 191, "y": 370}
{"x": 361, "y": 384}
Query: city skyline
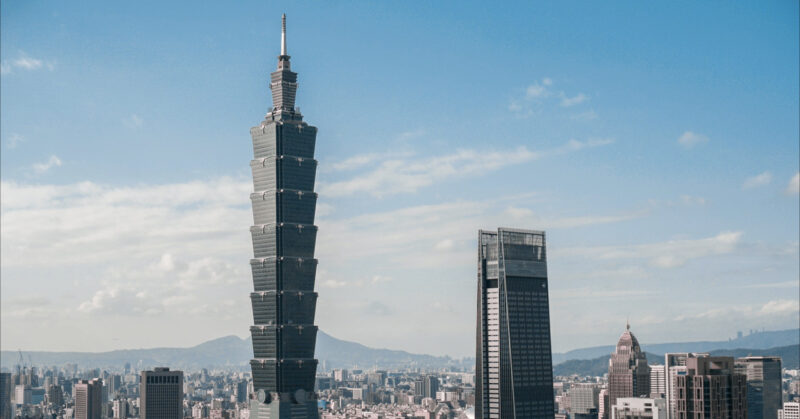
{"x": 123, "y": 188}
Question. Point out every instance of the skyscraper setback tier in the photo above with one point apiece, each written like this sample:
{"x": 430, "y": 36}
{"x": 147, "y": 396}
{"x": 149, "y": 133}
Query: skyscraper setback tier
{"x": 283, "y": 267}
{"x": 514, "y": 371}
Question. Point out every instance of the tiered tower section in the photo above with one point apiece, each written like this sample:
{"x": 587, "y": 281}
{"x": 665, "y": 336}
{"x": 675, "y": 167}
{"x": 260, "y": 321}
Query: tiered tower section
{"x": 284, "y": 268}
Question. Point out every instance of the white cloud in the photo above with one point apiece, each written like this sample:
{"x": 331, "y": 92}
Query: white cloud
{"x": 772, "y": 308}
{"x": 133, "y": 121}
{"x": 542, "y": 92}
{"x": 669, "y": 254}
{"x": 360, "y": 160}
{"x": 761, "y": 179}
{"x": 41, "y": 168}
{"x": 539, "y": 89}
{"x": 377, "y": 279}
{"x": 25, "y": 63}
{"x": 690, "y": 139}
{"x": 396, "y": 174}
{"x": 793, "y": 188}
{"x": 14, "y": 140}
{"x": 584, "y": 116}
{"x": 89, "y": 222}
{"x": 572, "y": 101}
{"x": 445, "y": 244}
{"x": 690, "y": 200}
{"x": 332, "y": 283}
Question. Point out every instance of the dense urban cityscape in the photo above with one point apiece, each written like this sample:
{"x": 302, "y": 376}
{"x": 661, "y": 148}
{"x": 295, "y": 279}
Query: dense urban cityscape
{"x": 765, "y": 389}
{"x": 514, "y": 373}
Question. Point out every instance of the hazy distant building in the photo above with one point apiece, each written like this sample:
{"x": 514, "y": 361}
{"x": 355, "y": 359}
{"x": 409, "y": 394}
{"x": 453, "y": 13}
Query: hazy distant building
{"x": 161, "y": 394}
{"x": 283, "y": 267}
{"x": 22, "y": 394}
{"x": 603, "y": 412}
{"x": 764, "y": 385}
{"x": 340, "y": 375}
{"x": 88, "y": 399}
{"x": 658, "y": 381}
{"x": 378, "y": 378}
{"x": 639, "y": 408}
{"x": 790, "y": 410}
{"x": 5, "y": 395}
{"x": 241, "y": 391}
{"x": 54, "y": 395}
{"x": 120, "y": 409}
{"x": 710, "y": 388}
{"x": 514, "y": 371}
{"x": 584, "y": 400}
{"x": 628, "y": 371}
{"x": 430, "y": 386}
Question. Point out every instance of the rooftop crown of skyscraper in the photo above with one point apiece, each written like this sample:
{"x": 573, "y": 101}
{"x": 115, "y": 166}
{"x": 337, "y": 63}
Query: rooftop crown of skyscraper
{"x": 628, "y": 342}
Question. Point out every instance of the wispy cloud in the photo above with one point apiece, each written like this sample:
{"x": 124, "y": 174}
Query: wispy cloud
{"x": 44, "y": 167}
{"x": 133, "y": 121}
{"x": 690, "y": 139}
{"x": 396, "y": 174}
{"x": 761, "y": 179}
{"x": 539, "y": 89}
{"x": 14, "y": 140}
{"x": 543, "y": 91}
{"x": 584, "y": 116}
{"x": 772, "y": 308}
{"x": 793, "y": 188}
{"x": 25, "y": 63}
{"x": 572, "y": 101}
{"x": 669, "y": 254}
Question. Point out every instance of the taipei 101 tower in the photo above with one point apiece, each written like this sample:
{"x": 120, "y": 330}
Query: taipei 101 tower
{"x": 283, "y": 266}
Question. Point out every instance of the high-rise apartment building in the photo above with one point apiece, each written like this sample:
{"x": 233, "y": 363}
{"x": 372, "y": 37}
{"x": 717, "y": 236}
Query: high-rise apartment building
{"x": 628, "y": 371}
{"x": 161, "y": 394}
{"x": 120, "y": 408}
{"x": 790, "y": 410}
{"x": 675, "y": 364}
{"x": 584, "y": 400}
{"x": 602, "y": 402}
{"x": 658, "y": 381}
{"x": 764, "y": 385}
{"x": 22, "y": 394}
{"x": 514, "y": 371}
{"x": 88, "y": 399}
{"x": 283, "y": 267}
{"x": 710, "y": 388}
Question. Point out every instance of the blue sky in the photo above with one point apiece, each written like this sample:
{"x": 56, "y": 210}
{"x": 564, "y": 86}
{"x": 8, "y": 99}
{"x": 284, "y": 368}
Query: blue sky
{"x": 656, "y": 144}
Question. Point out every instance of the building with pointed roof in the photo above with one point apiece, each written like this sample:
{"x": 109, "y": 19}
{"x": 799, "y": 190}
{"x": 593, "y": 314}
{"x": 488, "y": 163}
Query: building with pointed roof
{"x": 283, "y": 266}
{"x": 628, "y": 372}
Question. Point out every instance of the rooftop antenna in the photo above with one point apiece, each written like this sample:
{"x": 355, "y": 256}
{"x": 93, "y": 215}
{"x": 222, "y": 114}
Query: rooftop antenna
{"x": 283, "y": 34}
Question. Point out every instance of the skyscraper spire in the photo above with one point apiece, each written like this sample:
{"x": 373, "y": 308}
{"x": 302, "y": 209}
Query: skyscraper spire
{"x": 283, "y": 34}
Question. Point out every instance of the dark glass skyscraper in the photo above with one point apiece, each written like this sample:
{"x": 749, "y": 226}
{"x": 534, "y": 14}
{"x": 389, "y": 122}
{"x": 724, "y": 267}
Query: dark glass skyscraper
{"x": 514, "y": 370}
{"x": 764, "y": 385}
{"x": 283, "y": 266}
{"x": 161, "y": 394}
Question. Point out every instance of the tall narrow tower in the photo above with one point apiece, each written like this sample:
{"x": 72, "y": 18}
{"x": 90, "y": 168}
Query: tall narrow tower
{"x": 513, "y": 368}
{"x": 283, "y": 266}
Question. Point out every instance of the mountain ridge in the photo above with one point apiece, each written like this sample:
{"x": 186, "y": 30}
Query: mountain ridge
{"x": 235, "y": 352}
